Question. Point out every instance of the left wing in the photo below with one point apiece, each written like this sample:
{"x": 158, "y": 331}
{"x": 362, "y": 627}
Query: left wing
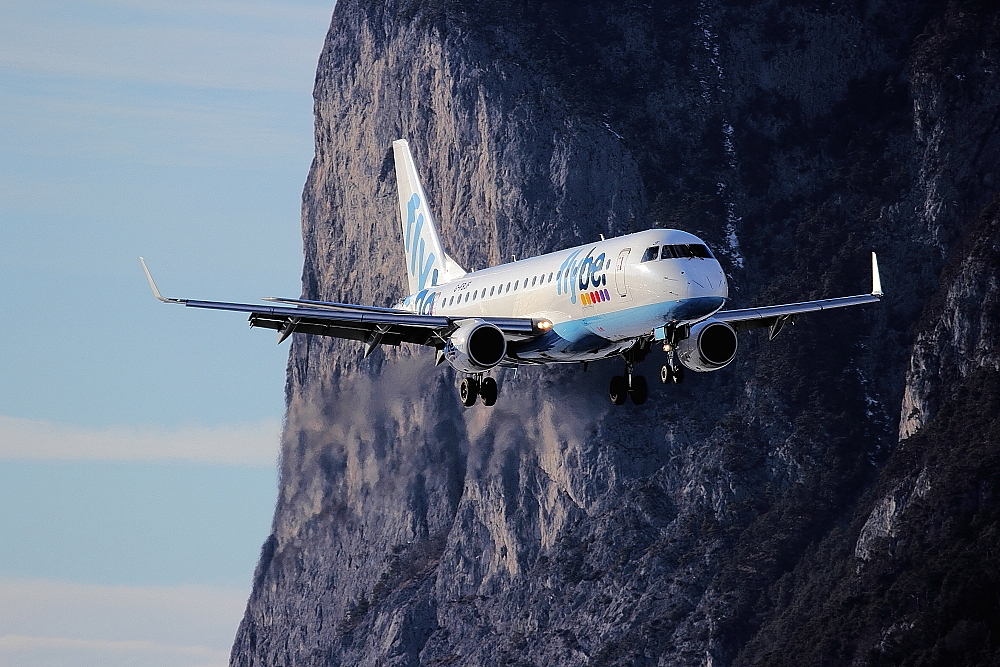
{"x": 775, "y": 317}
{"x": 371, "y": 325}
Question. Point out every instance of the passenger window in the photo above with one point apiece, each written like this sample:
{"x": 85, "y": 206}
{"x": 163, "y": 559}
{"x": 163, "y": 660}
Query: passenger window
{"x": 550, "y": 277}
{"x": 651, "y": 253}
{"x": 508, "y": 287}
{"x": 451, "y": 301}
{"x": 559, "y": 274}
{"x": 534, "y": 280}
{"x": 515, "y": 285}
{"x": 474, "y": 295}
{"x": 467, "y": 296}
{"x": 492, "y": 289}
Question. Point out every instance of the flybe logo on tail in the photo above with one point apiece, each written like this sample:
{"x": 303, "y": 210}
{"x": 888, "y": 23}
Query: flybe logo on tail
{"x": 586, "y": 277}
{"x": 415, "y": 246}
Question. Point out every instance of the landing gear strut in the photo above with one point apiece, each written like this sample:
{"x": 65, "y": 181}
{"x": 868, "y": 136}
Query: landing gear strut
{"x": 671, "y": 371}
{"x": 629, "y": 384}
{"x": 473, "y": 386}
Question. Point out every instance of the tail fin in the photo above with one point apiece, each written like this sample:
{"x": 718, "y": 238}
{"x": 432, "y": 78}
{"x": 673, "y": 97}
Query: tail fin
{"x": 427, "y": 264}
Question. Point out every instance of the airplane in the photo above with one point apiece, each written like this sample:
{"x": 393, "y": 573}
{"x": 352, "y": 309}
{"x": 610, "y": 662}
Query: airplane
{"x": 618, "y": 297}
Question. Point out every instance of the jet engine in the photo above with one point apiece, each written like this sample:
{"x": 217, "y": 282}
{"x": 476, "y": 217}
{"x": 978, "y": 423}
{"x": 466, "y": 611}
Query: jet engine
{"x": 710, "y": 346}
{"x": 476, "y": 346}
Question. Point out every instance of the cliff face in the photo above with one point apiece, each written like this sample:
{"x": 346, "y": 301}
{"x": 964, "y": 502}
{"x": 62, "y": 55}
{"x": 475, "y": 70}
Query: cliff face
{"x": 758, "y": 515}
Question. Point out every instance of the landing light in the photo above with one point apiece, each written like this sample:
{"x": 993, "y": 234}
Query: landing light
{"x": 544, "y": 325}
{"x": 667, "y": 347}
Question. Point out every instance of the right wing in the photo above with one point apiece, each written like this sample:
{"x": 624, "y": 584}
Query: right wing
{"x": 775, "y": 317}
{"x": 369, "y": 324}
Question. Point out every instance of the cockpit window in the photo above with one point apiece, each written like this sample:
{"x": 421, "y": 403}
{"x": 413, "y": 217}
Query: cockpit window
{"x": 650, "y": 254}
{"x": 686, "y": 250}
{"x": 700, "y": 250}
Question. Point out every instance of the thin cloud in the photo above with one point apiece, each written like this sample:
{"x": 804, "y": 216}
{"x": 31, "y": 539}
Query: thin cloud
{"x": 36, "y": 650}
{"x": 270, "y": 47}
{"x": 47, "y": 622}
{"x": 149, "y": 131}
{"x": 263, "y": 9}
{"x": 254, "y": 444}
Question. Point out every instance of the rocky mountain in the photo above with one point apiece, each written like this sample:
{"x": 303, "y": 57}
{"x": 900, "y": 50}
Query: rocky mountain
{"x": 831, "y": 498}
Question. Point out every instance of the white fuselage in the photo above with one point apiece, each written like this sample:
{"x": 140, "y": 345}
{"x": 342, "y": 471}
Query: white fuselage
{"x": 599, "y": 297}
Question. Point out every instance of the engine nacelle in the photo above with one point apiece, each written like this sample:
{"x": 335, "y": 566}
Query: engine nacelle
{"x": 710, "y": 346}
{"x": 476, "y": 346}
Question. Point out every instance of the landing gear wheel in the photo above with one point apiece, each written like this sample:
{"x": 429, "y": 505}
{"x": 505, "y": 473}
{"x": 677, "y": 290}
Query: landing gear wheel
{"x": 678, "y": 375}
{"x": 618, "y": 390}
{"x": 639, "y": 390}
{"x": 468, "y": 392}
{"x": 666, "y": 374}
{"x": 489, "y": 391}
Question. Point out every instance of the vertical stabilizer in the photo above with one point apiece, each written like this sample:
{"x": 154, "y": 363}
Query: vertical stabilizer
{"x": 427, "y": 264}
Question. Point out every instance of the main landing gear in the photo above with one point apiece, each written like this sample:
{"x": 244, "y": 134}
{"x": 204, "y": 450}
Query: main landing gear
{"x": 630, "y": 384}
{"x": 473, "y": 386}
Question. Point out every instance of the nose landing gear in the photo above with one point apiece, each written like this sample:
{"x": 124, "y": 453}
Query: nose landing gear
{"x": 671, "y": 371}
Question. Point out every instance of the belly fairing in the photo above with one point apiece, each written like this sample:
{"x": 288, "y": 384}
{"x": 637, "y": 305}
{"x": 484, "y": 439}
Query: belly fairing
{"x": 603, "y": 335}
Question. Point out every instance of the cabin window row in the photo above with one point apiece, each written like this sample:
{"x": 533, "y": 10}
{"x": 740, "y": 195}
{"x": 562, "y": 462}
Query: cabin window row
{"x": 497, "y": 290}
{"x": 679, "y": 251}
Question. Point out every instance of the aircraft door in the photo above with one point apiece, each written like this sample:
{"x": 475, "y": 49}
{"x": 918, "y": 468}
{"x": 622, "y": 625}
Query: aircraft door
{"x": 620, "y": 272}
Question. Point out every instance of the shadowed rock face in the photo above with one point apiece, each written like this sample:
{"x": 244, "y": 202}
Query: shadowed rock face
{"x": 748, "y": 516}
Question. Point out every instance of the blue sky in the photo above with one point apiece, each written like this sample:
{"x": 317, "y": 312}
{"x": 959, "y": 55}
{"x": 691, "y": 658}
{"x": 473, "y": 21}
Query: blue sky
{"x": 138, "y": 440}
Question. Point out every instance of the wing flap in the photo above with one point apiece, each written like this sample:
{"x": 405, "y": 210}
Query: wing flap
{"x": 332, "y": 305}
{"x": 360, "y": 325}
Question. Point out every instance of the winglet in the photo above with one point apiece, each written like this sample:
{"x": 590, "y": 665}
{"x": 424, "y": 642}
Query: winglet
{"x": 152, "y": 286}
{"x": 876, "y": 281}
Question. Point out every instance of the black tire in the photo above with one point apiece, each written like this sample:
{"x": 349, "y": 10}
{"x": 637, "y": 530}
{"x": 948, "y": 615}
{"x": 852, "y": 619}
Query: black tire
{"x": 618, "y": 390}
{"x": 666, "y": 375}
{"x": 489, "y": 391}
{"x": 468, "y": 392}
{"x": 678, "y": 375}
{"x": 640, "y": 390}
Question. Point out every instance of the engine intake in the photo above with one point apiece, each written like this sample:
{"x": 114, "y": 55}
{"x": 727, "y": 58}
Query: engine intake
{"x": 476, "y": 346}
{"x": 710, "y": 346}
